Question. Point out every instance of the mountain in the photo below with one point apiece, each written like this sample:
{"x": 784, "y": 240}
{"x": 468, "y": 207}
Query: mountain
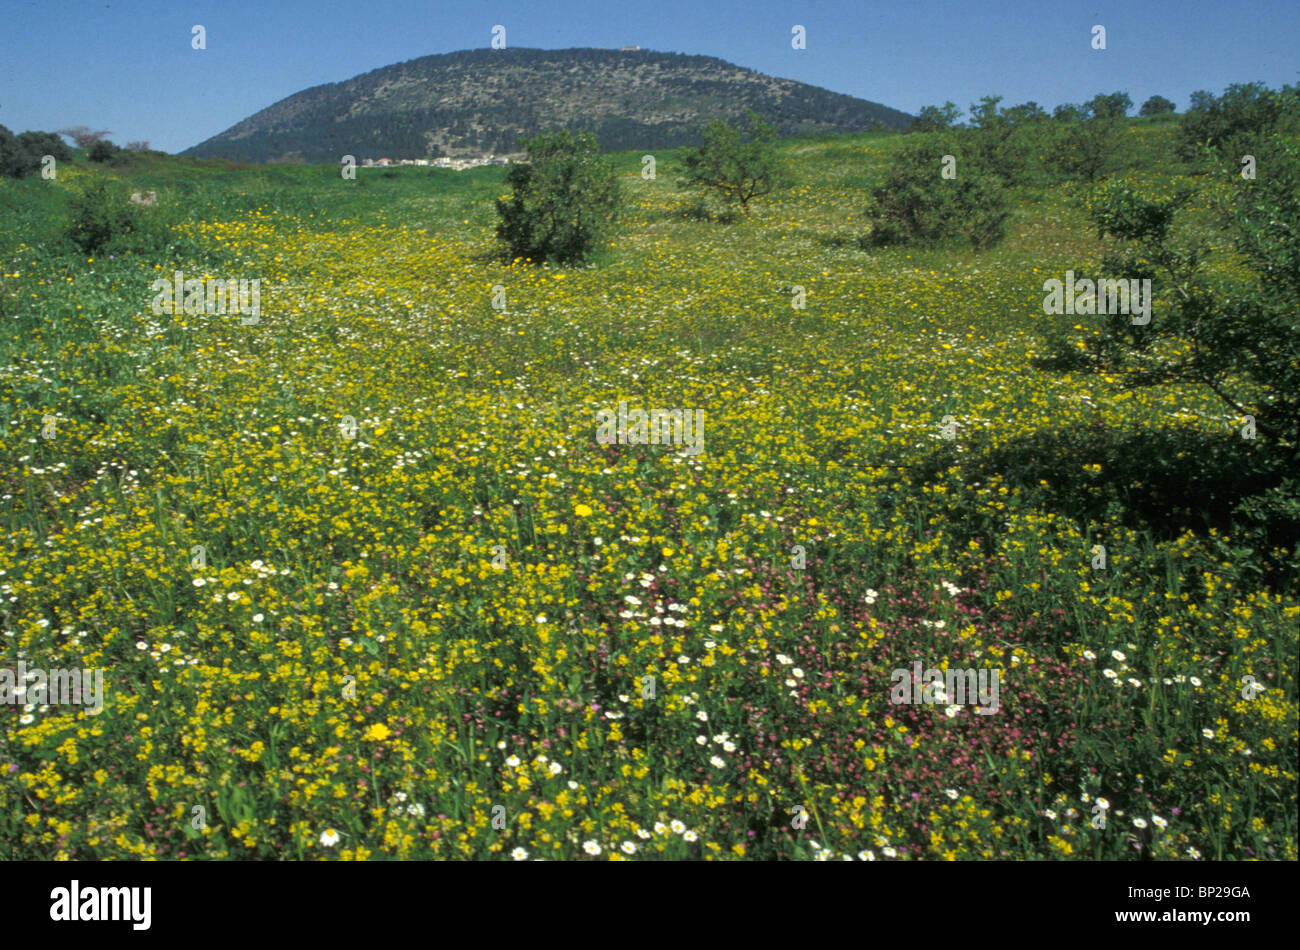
{"x": 483, "y": 100}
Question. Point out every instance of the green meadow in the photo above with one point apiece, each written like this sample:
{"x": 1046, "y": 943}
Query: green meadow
{"x": 364, "y": 584}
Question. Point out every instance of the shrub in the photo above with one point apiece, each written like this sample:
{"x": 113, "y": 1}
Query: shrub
{"x": 1084, "y": 149}
{"x": 1112, "y": 106}
{"x": 102, "y": 216}
{"x": 1157, "y": 105}
{"x": 564, "y": 202}
{"x": 21, "y": 155}
{"x": 935, "y": 118}
{"x": 1229, "y": 125}
{"x": 102, "y": 151}
{"x": 1001, "y": 140}
{"x": 1240, "y": 340}
{"x": 736, "y": 170}
{"x": 916, "y": 204}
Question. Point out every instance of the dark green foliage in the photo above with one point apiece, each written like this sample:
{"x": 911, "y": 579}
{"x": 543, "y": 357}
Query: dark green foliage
{"x": 915, "y": 204}
{"x": 1001, "y": 141}
{"x": 1226, "y": 127}
{"x": 733, "y": 168}
{"x": 1157, "y": 105}
{"x": 1110, "y": 106}
{"x": 1240, "y": 339}
{"x": 1086, "y": 149}
{"x": 564, "y": 203}
{"x": 102, "y": 217}
{"x": 102, "y": 151}
{"x": 22, "y": 155}
{"x": 935, "y": 118}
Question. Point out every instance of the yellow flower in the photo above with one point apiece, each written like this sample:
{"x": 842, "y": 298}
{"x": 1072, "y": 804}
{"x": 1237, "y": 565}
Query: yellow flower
{"x": 377, "y": 732}
{"x": 582, "y": 511}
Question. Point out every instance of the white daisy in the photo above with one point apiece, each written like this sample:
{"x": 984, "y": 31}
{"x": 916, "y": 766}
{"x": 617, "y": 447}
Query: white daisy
{"x": 519, "y": 854}
{"x": 329, "y": 837}
{"x": 591, "y": 847}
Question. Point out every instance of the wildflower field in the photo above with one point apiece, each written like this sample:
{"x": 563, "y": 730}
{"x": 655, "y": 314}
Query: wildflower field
{"x": 364, "y": 584}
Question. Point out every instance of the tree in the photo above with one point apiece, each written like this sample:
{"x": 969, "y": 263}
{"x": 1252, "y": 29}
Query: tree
{"x": 997, "y": 142}
{"x": 1112, "y": 106}
{"x": 935, "y": 118}
{"x": 1024, "y": 113}
{"x": 1069, "y": 112}
{"x": 1086, "y": 140}
{"x": 22, "y": 155}
{"x": 137, "y": 146}
{"x": 1228, "y": 125}
{"x": 917, "y": 204}
{"x": 564, "y": 201}
{"x": 84, "y": 136}
{"x": 102, "y": 151}
{"x": 1239, "y": 338}
{"x": 1157, "y": 105}
{"x": 736, "y": 170}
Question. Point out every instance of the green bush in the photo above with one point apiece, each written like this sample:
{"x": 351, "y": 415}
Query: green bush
{"x": 1239, "y": 339}
{"x": 915, "y": 204}
{"x": 22, "y": 155}
{"x": 1001, "y": 141}
{"x": 1084, "y": 149}
{"x": 1227, "y": 126}
{"x": 935, "y": 118}
{"x": 564, "y": 201}
{"x": 102, "y": 217}
{"x": 102, "y": 152}
{"x": 734, "y": 168}
{"x": 1157, "y": 105}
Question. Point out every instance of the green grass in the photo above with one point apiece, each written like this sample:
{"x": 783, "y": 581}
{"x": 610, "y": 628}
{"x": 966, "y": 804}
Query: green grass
{"x": 395, "y": 665}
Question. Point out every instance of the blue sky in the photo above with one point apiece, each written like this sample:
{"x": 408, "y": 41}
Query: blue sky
{"x": 127, "y": 65}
